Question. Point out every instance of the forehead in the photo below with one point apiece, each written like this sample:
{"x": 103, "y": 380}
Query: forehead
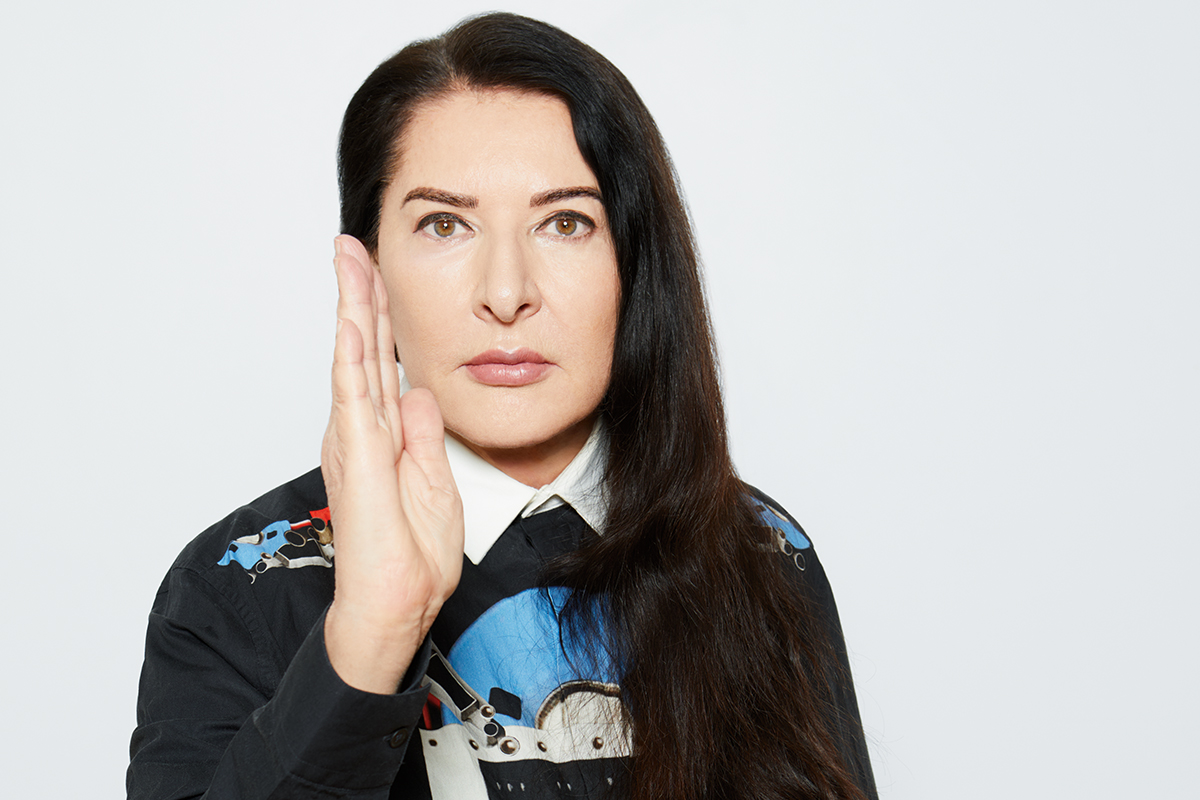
{"x": 480, "y": 139}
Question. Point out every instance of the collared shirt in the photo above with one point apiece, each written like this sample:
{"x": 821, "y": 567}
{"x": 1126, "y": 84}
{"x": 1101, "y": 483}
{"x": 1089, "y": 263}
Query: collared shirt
{"x": 492, "y": 500}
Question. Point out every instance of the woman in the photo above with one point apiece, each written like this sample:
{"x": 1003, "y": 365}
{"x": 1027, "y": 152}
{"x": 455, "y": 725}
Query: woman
{"x": 621, "y": 616}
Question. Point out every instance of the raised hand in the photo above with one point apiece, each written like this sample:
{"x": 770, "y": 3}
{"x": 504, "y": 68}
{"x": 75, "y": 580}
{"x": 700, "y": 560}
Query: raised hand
{"x": 397, "y": 517}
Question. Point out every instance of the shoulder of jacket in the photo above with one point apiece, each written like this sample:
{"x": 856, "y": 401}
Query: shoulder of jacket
{"x": 288, "y": 527}
{"x": 791, "y": 535}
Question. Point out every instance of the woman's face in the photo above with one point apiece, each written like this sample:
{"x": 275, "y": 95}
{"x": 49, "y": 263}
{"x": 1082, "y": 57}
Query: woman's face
{"x": 501, "y": 274}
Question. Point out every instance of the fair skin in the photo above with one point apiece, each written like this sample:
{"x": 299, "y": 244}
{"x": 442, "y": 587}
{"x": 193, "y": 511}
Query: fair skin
{"x": 496, "y": 281}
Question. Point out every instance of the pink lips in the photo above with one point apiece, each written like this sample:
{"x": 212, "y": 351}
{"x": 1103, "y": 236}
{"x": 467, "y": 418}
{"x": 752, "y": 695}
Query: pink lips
{"x": 498, "y": 368}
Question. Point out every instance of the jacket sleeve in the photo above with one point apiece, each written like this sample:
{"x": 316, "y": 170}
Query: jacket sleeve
{"x": 213, "y": 724}
{"x": 809, "y": 576}
{"x": 851, "y": 737}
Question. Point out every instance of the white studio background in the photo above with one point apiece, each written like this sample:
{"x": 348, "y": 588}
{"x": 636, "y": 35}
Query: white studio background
{"x": 952, "y": 255}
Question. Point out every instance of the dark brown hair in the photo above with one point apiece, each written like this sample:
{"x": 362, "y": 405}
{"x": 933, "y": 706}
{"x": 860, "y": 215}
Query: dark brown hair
{"x": 728, "y": 672}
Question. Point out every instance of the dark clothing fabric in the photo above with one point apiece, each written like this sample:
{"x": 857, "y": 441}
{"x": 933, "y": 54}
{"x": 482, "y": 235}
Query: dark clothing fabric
{"x": 238, "y": 698}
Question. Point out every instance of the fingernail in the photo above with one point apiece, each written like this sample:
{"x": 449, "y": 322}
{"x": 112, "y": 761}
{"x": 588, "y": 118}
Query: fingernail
{"x": 337, "y": 246}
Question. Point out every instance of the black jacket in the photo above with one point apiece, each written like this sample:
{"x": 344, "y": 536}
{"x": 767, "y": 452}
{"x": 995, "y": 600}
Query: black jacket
{"x": 238, "y": 698}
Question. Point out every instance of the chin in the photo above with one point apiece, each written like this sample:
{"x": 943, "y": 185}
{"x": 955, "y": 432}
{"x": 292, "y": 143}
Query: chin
{"x": 515, "y": 429}
{"x": 518, "y": 438}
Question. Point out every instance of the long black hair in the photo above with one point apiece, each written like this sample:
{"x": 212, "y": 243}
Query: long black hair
{"x": 712, "y": 636}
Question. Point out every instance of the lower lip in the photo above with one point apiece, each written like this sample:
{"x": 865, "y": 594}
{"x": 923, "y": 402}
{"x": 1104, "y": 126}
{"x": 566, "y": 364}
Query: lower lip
{"x": 521, "y": 374}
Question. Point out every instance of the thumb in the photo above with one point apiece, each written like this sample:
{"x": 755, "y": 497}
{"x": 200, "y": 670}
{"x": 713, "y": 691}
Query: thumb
{"x": 425, "y": 437}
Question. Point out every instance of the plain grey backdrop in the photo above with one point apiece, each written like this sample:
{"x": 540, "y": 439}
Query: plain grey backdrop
{"x": 951, "y": 251}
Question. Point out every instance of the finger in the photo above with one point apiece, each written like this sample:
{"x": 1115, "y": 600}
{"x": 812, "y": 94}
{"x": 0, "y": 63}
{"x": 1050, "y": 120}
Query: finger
{"x": 353, "y": 409}
{"x": 356, "y": 303}
{"x": 425, "y": 438}
{"x": 356, "y": 461}
{"x": 388, "y": 374}
{"x": 377, "y": 360}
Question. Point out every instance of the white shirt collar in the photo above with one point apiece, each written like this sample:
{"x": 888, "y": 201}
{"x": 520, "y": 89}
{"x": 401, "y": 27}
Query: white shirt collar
{"x": 492, "y": 500}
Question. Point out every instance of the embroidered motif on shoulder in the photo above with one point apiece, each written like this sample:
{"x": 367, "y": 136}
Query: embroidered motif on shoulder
{"x": 307, "y": 543}
{"x": 792, "y": 541}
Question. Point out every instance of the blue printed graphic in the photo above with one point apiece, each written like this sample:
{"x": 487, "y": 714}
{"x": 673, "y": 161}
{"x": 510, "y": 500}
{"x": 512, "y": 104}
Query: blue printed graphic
{"x": 248, "y": 554}
{"x": 515, "y": 646}
{"x": 782, "y": 524}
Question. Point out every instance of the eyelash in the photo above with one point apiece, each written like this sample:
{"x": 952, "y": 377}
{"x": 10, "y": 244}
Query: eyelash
{"x": 430, "y": 219}
{"x": 588, "y": 223}
{"x": 583, "y": 219}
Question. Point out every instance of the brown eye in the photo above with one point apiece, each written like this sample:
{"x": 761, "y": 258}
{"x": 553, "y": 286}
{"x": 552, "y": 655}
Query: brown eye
{"x": 443, "y": 226}
{"x": 566, "y": 226}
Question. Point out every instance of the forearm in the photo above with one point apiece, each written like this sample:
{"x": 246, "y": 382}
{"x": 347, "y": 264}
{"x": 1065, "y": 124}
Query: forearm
{"x": 206, "y": 731}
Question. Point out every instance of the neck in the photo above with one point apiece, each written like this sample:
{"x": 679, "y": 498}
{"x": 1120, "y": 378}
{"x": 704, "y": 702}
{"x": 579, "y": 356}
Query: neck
{"x": 536, "y": 465}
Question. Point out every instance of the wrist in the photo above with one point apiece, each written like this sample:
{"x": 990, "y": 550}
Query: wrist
{"x": 368, "y": 654}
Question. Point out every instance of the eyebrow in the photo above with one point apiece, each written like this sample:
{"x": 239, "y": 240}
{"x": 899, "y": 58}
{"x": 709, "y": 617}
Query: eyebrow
{"x": 440, "y": 196}
{"x": 554, "y": 195}
{"x": 467, "y": 201}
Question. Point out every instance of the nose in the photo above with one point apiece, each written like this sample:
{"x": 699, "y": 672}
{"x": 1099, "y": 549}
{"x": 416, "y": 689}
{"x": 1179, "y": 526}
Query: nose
{"x": 508, "y": 288}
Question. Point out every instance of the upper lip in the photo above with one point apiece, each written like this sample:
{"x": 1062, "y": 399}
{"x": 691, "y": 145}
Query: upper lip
{"x": 521, "y": 355}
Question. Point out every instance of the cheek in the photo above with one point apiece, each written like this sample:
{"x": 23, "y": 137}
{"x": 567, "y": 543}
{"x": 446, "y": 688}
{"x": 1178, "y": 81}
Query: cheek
{"x": 610, "y": 290}
{"x": 415, "y": 325}
{"x": 601, "y": 309}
